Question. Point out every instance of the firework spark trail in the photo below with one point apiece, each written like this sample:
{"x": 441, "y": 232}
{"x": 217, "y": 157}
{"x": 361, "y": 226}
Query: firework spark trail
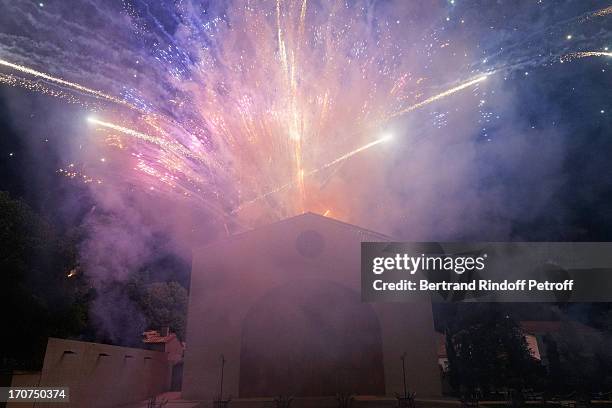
{"x": 62, "y": 82}
{"x": 37, "y": 86}
{"x": 528, "y": 62}
{"x": 599, "y": 13}
{"x": 515, "y": 56}
{"x": 312, "y": 172}
{"x": 584, "y": 54}
{"x": 175, "y": 147}
{"x": 176, "y": 170}
{"x": 289, "y": 63}
{"x": 175, "y": 182}
{"x": 439, "y": 96}
{"x": 352, "y": 153}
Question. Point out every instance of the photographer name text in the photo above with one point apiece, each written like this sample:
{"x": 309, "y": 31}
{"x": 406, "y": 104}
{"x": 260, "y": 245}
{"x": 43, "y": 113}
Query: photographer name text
{"x": 483, "y": 285}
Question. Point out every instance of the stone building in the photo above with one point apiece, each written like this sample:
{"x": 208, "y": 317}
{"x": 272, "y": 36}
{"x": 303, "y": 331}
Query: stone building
{"x": 281, "y": 305}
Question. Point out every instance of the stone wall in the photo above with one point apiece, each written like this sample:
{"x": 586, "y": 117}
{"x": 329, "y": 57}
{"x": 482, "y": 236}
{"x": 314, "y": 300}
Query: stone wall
{"x": 101, "y": 375}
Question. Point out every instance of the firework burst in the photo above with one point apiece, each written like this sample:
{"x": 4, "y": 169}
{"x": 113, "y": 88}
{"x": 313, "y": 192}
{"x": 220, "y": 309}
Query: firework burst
{"x": 254, "y": 104}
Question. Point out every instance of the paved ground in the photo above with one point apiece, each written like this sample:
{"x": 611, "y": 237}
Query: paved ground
{"x": 174, "y": 401}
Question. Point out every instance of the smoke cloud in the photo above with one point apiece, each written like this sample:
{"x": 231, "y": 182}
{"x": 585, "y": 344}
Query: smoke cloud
{"x": 229, "y": 86}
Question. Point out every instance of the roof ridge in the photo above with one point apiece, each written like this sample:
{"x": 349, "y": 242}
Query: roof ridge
{"x": 289, "y": 219}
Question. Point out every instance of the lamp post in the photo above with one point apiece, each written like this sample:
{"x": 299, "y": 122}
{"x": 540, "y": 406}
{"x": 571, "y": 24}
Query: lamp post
{"x": 221, "y": 385}
{"x": 404, "y": 374}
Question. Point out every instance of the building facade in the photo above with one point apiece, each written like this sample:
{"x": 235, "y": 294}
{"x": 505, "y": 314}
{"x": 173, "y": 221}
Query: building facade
{"x": 279, "y": 310}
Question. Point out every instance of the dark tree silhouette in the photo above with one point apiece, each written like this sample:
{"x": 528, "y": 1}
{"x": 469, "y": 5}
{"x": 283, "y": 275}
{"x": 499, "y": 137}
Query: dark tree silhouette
{"x": 42, "y": 292}
{"x": 488, "y": 352}
{"x": 162, "y": 304}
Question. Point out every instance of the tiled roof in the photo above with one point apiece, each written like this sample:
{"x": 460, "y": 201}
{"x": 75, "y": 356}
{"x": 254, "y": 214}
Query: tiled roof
{"x": 537, "y": 327}
{"x": 153, "y": 336}
{"x": 547, "y": 326}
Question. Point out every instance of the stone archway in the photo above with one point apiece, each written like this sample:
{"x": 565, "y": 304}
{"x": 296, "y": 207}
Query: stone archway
{"x": 311, "y": 338}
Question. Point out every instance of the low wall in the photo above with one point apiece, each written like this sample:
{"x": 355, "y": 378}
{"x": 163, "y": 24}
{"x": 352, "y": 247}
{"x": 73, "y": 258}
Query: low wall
{"x": 23, "y": 379}
{"x": 101, "y": 376}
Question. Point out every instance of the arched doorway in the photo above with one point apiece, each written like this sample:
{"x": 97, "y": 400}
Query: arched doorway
{"x": 311, "y": 338}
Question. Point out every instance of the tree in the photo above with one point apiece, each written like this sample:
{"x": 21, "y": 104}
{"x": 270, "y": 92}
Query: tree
{"x": 488, "y": 351}
{"x": 583, "y": 361}
{"x": 163, "y": 304}
{"x": 38, "y": 299}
